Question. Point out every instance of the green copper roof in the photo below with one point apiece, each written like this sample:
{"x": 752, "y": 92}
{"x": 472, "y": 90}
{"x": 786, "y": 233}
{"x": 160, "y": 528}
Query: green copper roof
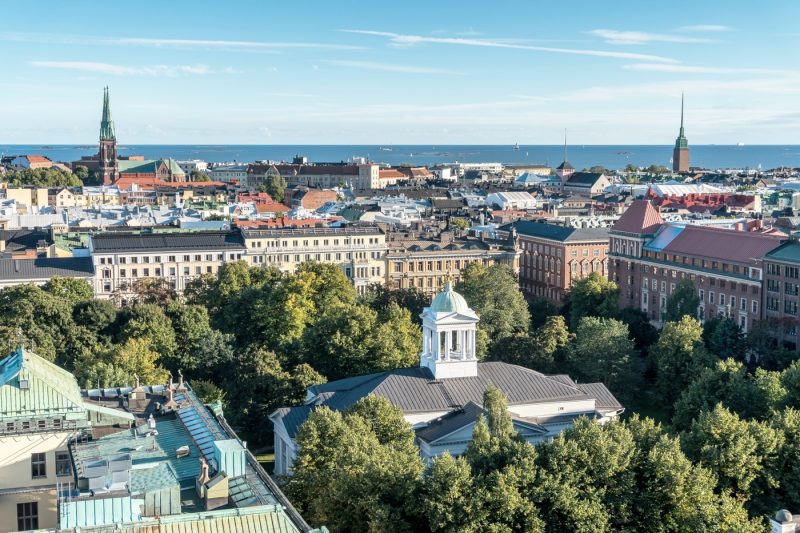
{"x": 147, "y": 166}
{"x": 32, "y": 387}
{"x": 449, "y": 301}
{"x": 107, "y": 124}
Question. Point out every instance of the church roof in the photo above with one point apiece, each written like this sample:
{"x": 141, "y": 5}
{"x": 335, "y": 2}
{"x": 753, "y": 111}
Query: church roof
{"x": 641, "y": 217}
{"x": 147, "y": 166}
{"x": 107, "y": 123}
{"x": 565, "y": 165}
{"x": 415, "y": 390}
{"x": 449, "y": 301}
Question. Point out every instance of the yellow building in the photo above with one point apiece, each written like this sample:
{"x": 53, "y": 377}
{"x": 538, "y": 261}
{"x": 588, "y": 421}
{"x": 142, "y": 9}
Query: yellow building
{"x": 427, "y": 264}
{"x": 359, "y": 251}
{"x": 27, "y": 196}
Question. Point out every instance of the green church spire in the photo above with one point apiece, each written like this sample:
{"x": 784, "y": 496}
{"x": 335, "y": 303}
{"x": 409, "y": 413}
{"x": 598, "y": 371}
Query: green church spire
{"x": 107, "y": 124}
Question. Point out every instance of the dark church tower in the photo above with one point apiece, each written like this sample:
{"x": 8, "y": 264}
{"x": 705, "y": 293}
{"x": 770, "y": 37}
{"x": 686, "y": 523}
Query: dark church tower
{"x": 107, "y": 167}
{"x": 680, "y": 155}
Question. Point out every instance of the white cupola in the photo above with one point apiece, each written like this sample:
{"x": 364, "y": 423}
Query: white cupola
{"x": 448, "y": 336}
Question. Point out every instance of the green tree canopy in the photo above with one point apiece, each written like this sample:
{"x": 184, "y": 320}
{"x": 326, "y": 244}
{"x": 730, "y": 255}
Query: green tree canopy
{"x": 602, "y": 351}
{"x": 593, "y": 295}
{"x": 682, "y": 301}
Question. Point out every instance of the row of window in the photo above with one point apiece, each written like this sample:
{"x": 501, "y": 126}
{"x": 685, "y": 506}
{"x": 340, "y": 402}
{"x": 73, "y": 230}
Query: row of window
{"x": 703, "y": 263}
{"x": 313, "y": 242}
{"x": 135, "y": 259}
{"x": 731, "y": 301}
{"x": 39, "y": 465}
{"x": 780, "y": 270}
{"x": 792, "y": 289}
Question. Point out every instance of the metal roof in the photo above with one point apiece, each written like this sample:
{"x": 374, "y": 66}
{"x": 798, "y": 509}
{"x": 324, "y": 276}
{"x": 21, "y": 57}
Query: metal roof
{"x": 51, "y": 392}
{"x": 414, "y": 390}
{"x": 154, "y": 242}
{"x": 310, "y": 232}
{"x": 558, "y": 233}
{"x": 45, "y": 268}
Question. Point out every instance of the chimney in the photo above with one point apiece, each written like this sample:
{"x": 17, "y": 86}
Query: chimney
{"x": 181, "y": 386}
{"x": 202, "y": 478}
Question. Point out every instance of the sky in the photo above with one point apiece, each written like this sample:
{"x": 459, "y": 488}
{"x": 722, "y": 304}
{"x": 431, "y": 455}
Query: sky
{"x": 410, "y": 72}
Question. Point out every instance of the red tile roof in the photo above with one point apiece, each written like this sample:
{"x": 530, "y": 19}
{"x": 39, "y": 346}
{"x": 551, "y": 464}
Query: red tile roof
{"x": 640, "y": 217}
{"x": 37, "y": 159}
{"x": 723, "y": 244}
{"x": 271, "y": 207}
{"x": 391, "y": 173}
{"x": 284, "y": 222}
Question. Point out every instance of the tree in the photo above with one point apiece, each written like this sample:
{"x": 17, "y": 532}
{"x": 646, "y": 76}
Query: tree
{"x": 678, "y": 356}
{"x": 787, "y": 494}
{"x": 154, "y": 291}
{"x": 493, "y": 292}
{"x": 118, "y": 366}
{"x": 449, "y": 499}
{"x": 741, "y": 453}
{"x": 346, "y": 478}
{"x": 682, "y": 301}
{"x": 81, "y": 172}
{"x": 541, "y": 350}
{"x": 596, "y": 169}
{"x": 724, "y": 338}
{"x": 97, "y": 315}
{"x": 602, "y": 351}
{"x": 460, "y": 224}
{"x": 73, "y": 290}
{"x": 42, "y": 177}
{"x": 540, "y": 310}
{"x": 275, "y": 186}
{"x": 642, "y": 331}
{"x": 149, "y": 323}
{"x": 208, "y": 392}
{"x": 196, "y": 175}
{"x": 751, "y": 396}
{"x": 203, "y": 352}
{"x": 378, "y": 296}
{"x": 593, "y": 295}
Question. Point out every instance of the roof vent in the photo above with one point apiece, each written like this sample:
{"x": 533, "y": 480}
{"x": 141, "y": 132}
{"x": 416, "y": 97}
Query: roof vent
{"x": 24, "y": 384}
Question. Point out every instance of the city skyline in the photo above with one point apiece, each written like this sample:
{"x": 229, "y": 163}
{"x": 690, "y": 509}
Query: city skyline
{"x": 444, "y": 74}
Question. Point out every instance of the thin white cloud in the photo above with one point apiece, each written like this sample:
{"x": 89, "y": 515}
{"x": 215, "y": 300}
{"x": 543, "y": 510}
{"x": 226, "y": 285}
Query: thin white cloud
{"x": 694, "y": 69}
{"x": 409, "y": 40}
{"x": 710, "y": 28}
{"x": 124, "y": 70}
{"x": 388, "y": 67}
{"x": 205, "y": 44}
{"x": 642, "y": 37}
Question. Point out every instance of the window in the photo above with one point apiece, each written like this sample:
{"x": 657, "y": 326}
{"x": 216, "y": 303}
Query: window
{"x": 38, "y": 465}
{"x": 63, "y": 464}
{"x": 711, "y": 297}
{"x": 755, "y": 306}
{"x": 743, "y": 304}
{"x": 27, "y": 516}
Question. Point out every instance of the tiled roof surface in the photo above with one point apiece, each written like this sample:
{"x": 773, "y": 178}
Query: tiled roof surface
{"x": 640, "y": 217}
{"x": 714, "y": 243}
{"x": 153, "y": 242}
{"x": 584, "y": 178}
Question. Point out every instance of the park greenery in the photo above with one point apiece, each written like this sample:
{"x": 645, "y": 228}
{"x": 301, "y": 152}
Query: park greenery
{"x": 708, "y": 441}
{"x": 46, "y": 177}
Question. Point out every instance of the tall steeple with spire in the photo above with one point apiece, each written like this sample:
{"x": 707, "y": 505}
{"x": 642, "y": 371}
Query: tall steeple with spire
{"x": 565, "y": 169}
{"x": 107, "y": 156}
{"x": 680, "y": 154}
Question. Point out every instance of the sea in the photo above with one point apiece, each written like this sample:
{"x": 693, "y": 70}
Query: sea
{"x": 581, "y": 156}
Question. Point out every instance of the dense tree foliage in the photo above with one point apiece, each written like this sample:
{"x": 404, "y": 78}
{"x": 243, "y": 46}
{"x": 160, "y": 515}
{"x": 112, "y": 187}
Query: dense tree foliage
{"x": 43, "y": 177}
{"x": 593, "y": 295}
{"x": 683, "y": 301}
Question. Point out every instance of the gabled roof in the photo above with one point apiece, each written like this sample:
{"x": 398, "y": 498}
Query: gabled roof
{"x": 52, "y": 391}
{"x": 788, "y": 251}
{"x": 640, "y": 218}
{"x": 45, "y": 268}
{"x": 458, "y": 418}
{"x": 565, "y": 165}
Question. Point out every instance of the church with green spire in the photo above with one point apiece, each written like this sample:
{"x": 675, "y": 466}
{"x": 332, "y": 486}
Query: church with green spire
{"x": 680, "y": 154}
{"x": 108, "y": 168}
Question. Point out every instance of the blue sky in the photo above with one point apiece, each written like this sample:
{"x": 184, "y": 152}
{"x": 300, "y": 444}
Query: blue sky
{"x": 442, "y": 72}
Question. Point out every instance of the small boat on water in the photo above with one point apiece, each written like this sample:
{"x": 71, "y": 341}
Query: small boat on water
{"x": 516, "y": 146}
{"x": 740, "y": 144}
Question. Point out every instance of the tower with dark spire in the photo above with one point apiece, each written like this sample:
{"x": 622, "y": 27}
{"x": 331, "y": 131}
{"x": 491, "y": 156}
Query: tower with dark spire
{"x": 680, "y": 154}
{"x": 107, "y": 157}
{"x": 565, "y": 169}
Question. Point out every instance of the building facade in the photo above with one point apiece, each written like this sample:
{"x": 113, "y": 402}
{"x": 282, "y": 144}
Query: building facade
{"x": 649, "y": 258}
{"x": 359, "y": 251}
{"x": 321, "y": 176}
{"x": 427, "y": 264}
{"x": 552, "y": 257}
{"x": 782, "y": 294}
{"x": 120, "y": 260}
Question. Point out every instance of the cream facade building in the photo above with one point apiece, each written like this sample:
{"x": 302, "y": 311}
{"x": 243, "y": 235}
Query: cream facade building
{"x": 120, "y": 260}
{"x": 359, "y": 251}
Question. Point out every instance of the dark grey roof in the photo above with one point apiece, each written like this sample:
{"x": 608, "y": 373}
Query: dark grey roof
{"x": 18, "y": 240}
{"x": 447, "y": 203}
{"x": 604, "y": 400}
{"x": 45, "y": 267}
{"x": 557, "y": 233}
{"x": 416, "y": 390}
{"x": 154, "y": 242}
{"x": 584, "y": 178}
{"x": 565, "y": 165}
{"x": 444, "y": 425}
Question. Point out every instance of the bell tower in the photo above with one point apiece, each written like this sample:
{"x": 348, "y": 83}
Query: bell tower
{"x": 107, "y": 156}
{"x": 448, "y": 336}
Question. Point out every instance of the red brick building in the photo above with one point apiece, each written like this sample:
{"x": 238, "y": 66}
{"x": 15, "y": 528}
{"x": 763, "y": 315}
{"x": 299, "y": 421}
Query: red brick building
{"x": 649, "y": 257}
